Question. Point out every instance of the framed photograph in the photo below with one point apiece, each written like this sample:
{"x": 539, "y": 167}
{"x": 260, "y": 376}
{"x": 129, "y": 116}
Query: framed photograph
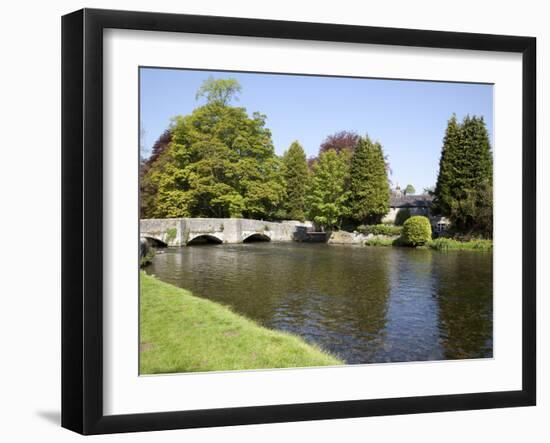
{"x": 269, "y": 221}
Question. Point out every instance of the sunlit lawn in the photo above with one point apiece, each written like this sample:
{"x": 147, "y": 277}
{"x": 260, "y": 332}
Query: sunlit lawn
{"x": 183, "y": 333}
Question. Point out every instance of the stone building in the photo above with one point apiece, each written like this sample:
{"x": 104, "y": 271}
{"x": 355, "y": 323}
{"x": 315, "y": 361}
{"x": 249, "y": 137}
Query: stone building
{"x": 414, "y": 205}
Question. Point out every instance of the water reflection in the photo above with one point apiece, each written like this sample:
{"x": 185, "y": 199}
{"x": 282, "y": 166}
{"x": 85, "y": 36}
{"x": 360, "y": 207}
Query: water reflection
{"x": 363, "y": 304}
{"x": 465, "y": 306}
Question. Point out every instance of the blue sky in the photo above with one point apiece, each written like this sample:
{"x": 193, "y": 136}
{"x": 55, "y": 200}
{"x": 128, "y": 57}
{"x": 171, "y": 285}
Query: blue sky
{"x": 407, "y": 117}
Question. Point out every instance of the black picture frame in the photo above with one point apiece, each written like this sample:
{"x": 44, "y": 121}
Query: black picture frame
{"x": 82, "y": 219}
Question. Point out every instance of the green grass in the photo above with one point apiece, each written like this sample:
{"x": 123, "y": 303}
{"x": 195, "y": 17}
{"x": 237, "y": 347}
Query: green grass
{"x": 447, "y": 244}
{"x": 183, "y": 333}
{"x": 380, "y": 241}
{"x": 439, "y": 244}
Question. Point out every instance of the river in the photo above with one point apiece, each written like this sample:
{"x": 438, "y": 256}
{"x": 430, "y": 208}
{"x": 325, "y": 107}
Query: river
{"x": 363, "y": 304}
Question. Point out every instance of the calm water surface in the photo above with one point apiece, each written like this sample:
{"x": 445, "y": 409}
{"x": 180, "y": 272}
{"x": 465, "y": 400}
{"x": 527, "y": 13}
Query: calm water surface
{"x": 363, "y": 304}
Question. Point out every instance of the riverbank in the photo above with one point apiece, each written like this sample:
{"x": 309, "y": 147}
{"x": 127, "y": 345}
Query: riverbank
{"x": 439, "y": 244}
{"x": 183, "y": 333}
{"x": 448, "y": 244}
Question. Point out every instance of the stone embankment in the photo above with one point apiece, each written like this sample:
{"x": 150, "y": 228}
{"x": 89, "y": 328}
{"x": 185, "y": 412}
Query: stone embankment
{"x": 353, "y": 238}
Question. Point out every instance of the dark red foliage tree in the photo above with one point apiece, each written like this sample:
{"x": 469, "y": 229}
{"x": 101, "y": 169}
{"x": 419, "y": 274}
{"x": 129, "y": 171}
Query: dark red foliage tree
{"x": 160, "y": 146}
{"x": 148, "y": 189}
{"x": 340, "y": 141}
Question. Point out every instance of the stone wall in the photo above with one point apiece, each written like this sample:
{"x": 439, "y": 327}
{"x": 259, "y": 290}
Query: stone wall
{"x": 181, "y": 231}
{"x": 346, "y": 238}
{"x": 354, "y": 238}
{"x": 167, "y": 230}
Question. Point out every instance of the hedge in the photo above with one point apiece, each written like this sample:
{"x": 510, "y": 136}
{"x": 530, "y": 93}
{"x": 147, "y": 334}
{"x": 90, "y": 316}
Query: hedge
{"x": 389, "y": 230}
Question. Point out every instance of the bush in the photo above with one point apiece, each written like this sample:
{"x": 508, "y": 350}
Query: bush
{"x": 388, "y": 230}
{"x": 147, "y": 258}
{"x": 417, "y": 231}
{"x": 402, "y": 216}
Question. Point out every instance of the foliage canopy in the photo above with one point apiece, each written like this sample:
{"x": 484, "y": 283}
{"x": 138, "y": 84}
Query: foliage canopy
{"x": 220, "y": 91}
{"x": 343, "y": 140}
{"x": 464, "y": 185}
{"x": 295, "y": 172}
{"x": 220, "y": 162}
{"x": 328, "y": 192}
{"x": 369, "y": 183}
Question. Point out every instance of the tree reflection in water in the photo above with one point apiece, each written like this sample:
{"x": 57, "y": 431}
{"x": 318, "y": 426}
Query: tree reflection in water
{"x": 364, "y": 304}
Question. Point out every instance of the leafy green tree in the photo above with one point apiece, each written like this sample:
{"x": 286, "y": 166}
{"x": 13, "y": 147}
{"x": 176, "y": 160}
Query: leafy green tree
{"x": 369, "y": 184}
{"x": 295, "y": 171}
{"x": 220, "y": 91}
{"x": 409, "y": 190}
{"x": 220, "y": 163}
{"x": 464, "y": 185}
{"x": 328, "y": 192}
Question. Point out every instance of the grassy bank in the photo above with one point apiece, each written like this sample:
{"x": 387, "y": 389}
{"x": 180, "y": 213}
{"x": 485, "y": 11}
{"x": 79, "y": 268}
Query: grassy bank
{"x": 439, "y": 244}
{"x": 183, "y": 333}
{"x": 447, "y": 244}
{"x": 380, "y": 241}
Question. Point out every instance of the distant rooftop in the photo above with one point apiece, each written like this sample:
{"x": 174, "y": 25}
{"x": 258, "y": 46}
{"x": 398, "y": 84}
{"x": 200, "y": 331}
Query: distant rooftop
{"x": 410, "y": 201}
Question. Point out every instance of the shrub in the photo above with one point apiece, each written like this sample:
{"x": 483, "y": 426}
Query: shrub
{"x": 417, "y": 231}
{"x": 388, "y": 230}
{"x": 402, "y": 216}
{"x": 147, "y": 258}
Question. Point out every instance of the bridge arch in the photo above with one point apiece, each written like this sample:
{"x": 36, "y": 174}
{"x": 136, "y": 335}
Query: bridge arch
{"x": 154, "y": 242}
{"x": 202, "y": 239}
{"x": 256, "y": 237}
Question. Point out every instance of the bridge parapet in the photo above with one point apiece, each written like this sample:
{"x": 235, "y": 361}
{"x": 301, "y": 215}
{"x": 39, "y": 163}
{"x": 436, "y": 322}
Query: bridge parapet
{"x": 168, "y": 231}
{"x": 181, "y": 231}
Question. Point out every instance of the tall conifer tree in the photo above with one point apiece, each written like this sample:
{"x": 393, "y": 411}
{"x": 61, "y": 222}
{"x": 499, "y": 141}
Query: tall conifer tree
{"x": 447, "y": 178}
{"x": 328, "y": 189}
{"x": 464, "y": 185}
{"x": 295, "y": 172}
{"x": 370, "y": 191}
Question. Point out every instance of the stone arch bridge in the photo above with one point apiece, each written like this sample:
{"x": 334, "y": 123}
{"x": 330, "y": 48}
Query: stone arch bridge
{"x": 189, "y": 231}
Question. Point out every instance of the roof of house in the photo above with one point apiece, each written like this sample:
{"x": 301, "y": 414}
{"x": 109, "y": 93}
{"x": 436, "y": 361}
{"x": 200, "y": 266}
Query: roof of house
{"x": 411, "y": 201}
